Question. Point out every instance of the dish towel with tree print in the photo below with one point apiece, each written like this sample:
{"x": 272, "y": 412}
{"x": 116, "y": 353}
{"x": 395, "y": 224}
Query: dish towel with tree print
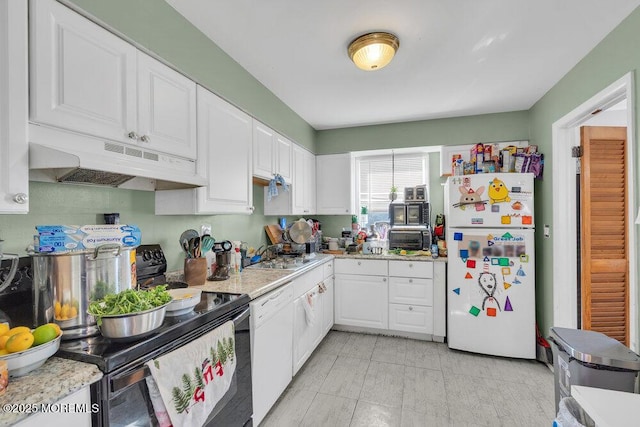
{"x": 193, "y": 378}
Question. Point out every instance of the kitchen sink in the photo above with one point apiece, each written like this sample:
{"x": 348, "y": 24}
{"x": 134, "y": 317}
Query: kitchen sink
{"x": 284, "y": 263}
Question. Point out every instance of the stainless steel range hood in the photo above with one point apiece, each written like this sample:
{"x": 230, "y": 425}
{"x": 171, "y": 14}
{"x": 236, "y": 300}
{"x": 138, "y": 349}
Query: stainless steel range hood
{"x": 84, "y": 160}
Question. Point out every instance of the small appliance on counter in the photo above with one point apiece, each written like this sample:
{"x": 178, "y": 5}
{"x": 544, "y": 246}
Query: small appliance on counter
{"x": 413, "y": 238}
{"x": 223, "y": 261}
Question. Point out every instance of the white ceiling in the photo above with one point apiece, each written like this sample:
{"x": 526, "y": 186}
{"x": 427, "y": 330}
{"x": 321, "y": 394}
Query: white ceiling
{"x": 456, "y": 57}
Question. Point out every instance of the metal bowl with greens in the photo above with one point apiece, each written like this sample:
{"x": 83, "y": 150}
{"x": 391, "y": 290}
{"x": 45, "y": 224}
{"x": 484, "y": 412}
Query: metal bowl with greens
{"x": 130, "y": 314}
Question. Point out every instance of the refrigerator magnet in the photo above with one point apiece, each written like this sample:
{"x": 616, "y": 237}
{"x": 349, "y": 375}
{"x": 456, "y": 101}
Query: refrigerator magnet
{"x": 464, "y": 253}
{"x": 506, "y": 271}
{"x": 507, "y": 305}
{"x": 468, "y": 276}
{"x": 471, "y": 263}
{"x": 457, "y": 236}
{"x": 506, "y": 285}
{"x": 474, "y": 310}
{"x": 457, "y": 291}
{"x": 524, "y": 258}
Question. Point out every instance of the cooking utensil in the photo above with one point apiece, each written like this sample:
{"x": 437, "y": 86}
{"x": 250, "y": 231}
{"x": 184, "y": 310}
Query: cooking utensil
{"x": 195, "y": 251}
{"x": 71, "y": 281}
{"x": 187, "y": 235}
{"x": 258, "y": 255}
{"x": 131, "y": 326}
{"x": 300, "y": 231}
{"x": 185, "y": 248}
{"x": 206, "y": 243}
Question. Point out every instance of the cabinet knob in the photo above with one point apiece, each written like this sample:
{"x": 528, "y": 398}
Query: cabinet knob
{"x": 384, "y": 279}
{"x": 410, "y": 280}
{"x": 410, "y": 265}
{"x": 359, "y": 263}
{"x": 21, "y": 198}
{"x": 145, "y": 138}
{"x": 133, "y": 135}
{"x": 410, "y": 308}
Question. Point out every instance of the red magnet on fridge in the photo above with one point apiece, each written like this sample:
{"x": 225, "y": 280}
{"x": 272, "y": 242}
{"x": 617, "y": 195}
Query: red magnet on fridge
{"x": 491, "y": 312}
{"x": 468, "y": 276}
{"x": 527, "y": 219}
{"x": 471, "y": 263}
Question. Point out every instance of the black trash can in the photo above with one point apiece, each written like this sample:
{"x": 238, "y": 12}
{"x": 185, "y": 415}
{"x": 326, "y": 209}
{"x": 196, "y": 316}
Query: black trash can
{"x": 591, "y": 359}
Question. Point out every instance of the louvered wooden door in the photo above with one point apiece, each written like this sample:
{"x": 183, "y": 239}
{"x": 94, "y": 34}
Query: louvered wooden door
{"x": 605, "y": 267}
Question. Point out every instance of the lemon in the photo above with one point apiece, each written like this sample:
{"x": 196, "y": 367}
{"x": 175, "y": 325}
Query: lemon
{"x": 56, "y": 308}
{"x": 3, "y": 341}
{"x": 4, "y": 328}
{"x": 43, "y": 334}
{"x": 17, "y": 330}
{"x": 19, "y": 342}
{"x": 403, "y": 252}
{"x": 3, "y": 352}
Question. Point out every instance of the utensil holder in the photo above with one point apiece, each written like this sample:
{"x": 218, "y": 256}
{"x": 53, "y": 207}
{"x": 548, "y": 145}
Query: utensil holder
{"x": 195, "y": 271}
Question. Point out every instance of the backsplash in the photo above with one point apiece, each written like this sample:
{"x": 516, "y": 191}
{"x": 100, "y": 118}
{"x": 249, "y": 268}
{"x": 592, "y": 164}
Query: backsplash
{"x": 80, "y": 204}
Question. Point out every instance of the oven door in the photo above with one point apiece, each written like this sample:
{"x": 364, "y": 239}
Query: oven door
{"x": 124, "y": 396}
{"x": 414, "y": 214}
{"x": 397, "y": 214}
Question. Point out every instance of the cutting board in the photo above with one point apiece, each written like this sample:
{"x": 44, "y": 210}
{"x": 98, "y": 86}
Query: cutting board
{"x": 274, "y": 232}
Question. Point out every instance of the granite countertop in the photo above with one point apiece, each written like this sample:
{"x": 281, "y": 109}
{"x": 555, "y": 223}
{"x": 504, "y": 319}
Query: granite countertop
{"x": 53, "y": 381}
{"x": 255, "y": 281}
{"x": 391, "y": 257}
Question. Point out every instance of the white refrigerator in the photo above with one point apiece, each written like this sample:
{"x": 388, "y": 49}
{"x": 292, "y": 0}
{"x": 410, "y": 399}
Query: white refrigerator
{"x": 491, "y": 264}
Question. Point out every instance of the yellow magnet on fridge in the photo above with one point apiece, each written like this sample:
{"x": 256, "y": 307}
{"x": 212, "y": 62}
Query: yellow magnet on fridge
{"x": 505, "y": 219}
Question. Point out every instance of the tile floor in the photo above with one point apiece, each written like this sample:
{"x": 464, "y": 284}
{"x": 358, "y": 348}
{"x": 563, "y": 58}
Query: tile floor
{"x": 366, "y": 380}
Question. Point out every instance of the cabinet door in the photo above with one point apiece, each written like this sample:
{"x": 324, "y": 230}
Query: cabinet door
{"x": 83, "y": 78}
{"x": 14, "y": 145}
{"x": 283, "y": 163}
{"x": 298, "y": 186}
{"x": 361, "y": 301}
{"x": 166, "y": 109}
{"x": 409, "y": 290}
{"x": 306, "y": 327}
{"x": 263, "y": 143}
{"x": 309, "y": 183}
{"x": 411, "y": 318}
{"x": 420, "y": 269}
{"x": 334, "y": 185}
{"x": 224, "y": 152}
{"x": 327, "y": 305}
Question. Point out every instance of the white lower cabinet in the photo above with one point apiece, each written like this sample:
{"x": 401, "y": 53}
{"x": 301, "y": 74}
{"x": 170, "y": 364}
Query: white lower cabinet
{"x": 411, "y": 318}
{"x": 80, "y": 399}
{"x": 327, "y": 305}
{"x": 307, "y": 326}
{"x": 361, "y": 301}
{"x": 397, "y": 297}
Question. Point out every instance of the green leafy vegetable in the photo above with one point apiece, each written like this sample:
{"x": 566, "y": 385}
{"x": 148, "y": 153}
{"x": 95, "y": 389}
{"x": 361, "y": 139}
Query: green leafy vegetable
{"x": 130, "y": 301}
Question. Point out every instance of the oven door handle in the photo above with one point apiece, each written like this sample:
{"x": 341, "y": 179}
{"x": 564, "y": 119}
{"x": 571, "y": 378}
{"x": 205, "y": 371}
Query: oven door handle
{"x": 125, "y": 380}
{"x": 130, "y": 378}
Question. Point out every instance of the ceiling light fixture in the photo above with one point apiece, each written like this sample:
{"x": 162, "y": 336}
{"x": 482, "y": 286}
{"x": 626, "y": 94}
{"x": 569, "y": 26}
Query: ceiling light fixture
{"x": 373, "y": 51}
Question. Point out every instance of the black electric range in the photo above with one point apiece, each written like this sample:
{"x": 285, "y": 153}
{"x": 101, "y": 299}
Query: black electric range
{"x": 110, "y": 355}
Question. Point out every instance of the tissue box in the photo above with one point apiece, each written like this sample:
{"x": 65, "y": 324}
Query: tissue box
{"x": 70, "y": 238}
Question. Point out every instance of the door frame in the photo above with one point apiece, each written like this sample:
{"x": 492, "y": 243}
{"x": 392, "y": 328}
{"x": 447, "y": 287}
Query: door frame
{"x": 565, "y": 134}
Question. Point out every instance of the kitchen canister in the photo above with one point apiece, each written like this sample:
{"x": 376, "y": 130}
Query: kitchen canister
{"x": 195, "y": 271}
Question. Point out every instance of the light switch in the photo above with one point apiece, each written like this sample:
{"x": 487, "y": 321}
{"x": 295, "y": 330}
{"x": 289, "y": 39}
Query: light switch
{"x": 547, "y": 231}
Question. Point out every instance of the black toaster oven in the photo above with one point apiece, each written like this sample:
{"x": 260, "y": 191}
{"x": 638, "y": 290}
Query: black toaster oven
{"x": 410, "y": 238}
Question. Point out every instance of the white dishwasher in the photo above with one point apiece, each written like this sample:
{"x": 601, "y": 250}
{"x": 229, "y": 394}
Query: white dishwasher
{"x": 271, "y": 348}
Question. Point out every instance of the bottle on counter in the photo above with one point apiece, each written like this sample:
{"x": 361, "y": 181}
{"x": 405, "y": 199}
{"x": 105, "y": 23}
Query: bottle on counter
{"x": 237, "y": 264}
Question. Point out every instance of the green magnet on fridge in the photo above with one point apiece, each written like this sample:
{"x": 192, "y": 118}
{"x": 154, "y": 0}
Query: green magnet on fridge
{"x": 474, "y": 310}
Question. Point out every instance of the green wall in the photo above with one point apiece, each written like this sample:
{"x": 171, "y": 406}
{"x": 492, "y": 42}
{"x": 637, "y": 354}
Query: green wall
{"x": 512, "y": 126}
{"x": 78, "y": 205}
{"x": 615, "y": 56}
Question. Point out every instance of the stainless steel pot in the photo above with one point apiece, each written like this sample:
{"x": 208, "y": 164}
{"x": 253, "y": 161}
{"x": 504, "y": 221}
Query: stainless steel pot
{"x": 132, "y": 326}
{"x": 65, "y": 284}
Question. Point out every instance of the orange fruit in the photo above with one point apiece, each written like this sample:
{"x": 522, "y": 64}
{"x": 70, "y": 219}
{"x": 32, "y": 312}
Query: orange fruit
{"x": 56, "y": 308}
{"x": 4, "y": 328}
{"x": 3, "y": 352}
{"x": 19, "y": 342}
{"x": 3, "y": 341}
{"x": 43, "y": 334}
{"x": 17, "y": 330}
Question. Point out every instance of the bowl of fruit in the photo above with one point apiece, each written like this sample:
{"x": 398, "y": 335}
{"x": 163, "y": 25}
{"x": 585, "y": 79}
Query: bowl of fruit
{"x": 25, "y": 349}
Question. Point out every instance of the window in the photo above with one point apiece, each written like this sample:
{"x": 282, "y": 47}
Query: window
{"x": 377, "y": 173}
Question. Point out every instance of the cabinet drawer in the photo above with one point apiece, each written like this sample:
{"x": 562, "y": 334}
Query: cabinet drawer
{"x": 327, "y": 269}
{"x": 368, "y": 267}
{"x": 409, "y": 290}
{"x": 411, "y": 318}
{"x": 422, "y": 269}
{"x": 307, "y": 281}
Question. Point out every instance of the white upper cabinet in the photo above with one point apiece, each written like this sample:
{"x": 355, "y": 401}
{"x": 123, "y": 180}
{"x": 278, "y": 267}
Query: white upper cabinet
{"x": 271, "y": 153}
{"x": 304, "y": 182}
{"x": 14, "y": 145}
{"x": 224, "y": 157}
{"x": 87, "y": 80}
{"x": 334, "y": 184}
{"x": 166, "y": 108}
